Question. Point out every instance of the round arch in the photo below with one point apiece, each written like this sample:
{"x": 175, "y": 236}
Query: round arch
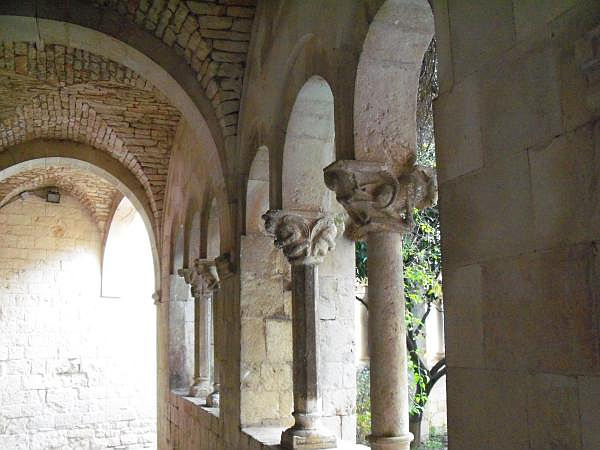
{"x": 387, "y": 81}
{"x": 101, "y": 32}
{"x": 309, "y": 147}
{"x": 42, "y": 154}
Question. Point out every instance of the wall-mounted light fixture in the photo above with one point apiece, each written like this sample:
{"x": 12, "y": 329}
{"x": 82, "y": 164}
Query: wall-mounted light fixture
{"x": 52, "y": 195}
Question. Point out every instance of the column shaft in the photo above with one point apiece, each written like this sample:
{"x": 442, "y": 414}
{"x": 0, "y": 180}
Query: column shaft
{"x": 305, "y": 291}
{"x": 201, "y": 386}
{"x": 387, "y": 343}
{"x": 214, "y": 399}
{"x": 306, "y": 432}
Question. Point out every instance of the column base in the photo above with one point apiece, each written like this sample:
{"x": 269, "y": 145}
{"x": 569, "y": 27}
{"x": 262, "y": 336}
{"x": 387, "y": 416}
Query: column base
{"x": 391, "y": 443}
{"x": 300, "y": 438}
{"x": 214, "y": 399}
{"x": 200, "y": 389}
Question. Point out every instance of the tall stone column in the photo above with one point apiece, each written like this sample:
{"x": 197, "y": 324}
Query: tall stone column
{"x": 381, "y": 207}
{"x": 224, "y": 270}
{"x": 305, "y": 239}
{"x": 203, "y": 279}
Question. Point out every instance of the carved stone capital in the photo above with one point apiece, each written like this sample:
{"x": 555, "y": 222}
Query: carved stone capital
{"x": 225, "y": 267}
{"x": 375, "y": 199}
{"x": 202, "y": 277}
{"x": 590, "y": 66}
{"x": 304, "y": 238}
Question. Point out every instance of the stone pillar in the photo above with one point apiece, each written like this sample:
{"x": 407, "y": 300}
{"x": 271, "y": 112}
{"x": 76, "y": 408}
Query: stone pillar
{"x": 203, "y": 279}
{"x": 305, "y": 239}
{"x": 224, "y": 270}
{"x": 381, "y": 206}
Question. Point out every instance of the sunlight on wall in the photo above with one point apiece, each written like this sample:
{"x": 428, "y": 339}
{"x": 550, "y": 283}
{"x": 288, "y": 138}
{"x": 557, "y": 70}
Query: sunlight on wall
{"x": 76, "y": 370}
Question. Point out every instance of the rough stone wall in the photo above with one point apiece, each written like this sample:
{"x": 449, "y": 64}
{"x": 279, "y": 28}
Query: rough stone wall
{"x": 212, "y": 37}
{"x": 62, "y": 383}
{"x": 518, "y": 151}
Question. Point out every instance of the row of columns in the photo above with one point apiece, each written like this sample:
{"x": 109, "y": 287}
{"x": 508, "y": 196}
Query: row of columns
{"x": 203, "y": 280}
{"x": 380, "y": 206}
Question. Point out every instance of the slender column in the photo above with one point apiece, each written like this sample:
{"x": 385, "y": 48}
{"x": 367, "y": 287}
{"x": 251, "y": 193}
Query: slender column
{"x": 214, "y": 398}
{"x": 381, "y": 207}
{"x": 305, "y": 240}
{"x": 387, "y": 342}
{"x": 224, "y": 269}
{"x": 203, "y": 280}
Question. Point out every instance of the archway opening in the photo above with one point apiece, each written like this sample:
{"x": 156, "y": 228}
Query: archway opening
{"x": 309, "y": 148}
{"x": 78, "y": 360}
{"x": 395, "y": 85}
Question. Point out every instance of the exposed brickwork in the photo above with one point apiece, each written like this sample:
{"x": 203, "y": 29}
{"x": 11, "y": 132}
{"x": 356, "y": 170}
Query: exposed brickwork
{"x": 66, "y": 93}
{"x": 94, "y": 193}
{"x": 213, "y": 38}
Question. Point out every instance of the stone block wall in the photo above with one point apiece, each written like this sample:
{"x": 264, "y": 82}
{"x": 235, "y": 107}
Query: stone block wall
{"x": 266, "y": 368}
{"x": 518, "y": 184}
{"x": 74, "y": 371}
{"x": 338, "y": 340}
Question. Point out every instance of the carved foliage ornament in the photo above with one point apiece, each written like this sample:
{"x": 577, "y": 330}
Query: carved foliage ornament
{"x": 304, "y": 240}
{"x": 375, "y": 199}
{"x": 202, "y": 277}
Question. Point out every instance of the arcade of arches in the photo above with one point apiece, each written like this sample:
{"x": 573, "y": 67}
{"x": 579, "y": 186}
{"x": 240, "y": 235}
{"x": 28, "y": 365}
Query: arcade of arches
{"x": 182, "y": 183}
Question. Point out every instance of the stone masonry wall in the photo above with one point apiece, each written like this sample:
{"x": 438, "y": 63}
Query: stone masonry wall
{"x": 518, "y": 146}
{"x": 73, "y": 372}
{"x": 213, "y": 37}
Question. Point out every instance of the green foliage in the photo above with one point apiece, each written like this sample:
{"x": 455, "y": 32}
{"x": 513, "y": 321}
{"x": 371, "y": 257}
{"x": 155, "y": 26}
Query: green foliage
{"x": 363, "y": 405}
{"x": 361, "y": 261}
{"x": 438, "y": 439}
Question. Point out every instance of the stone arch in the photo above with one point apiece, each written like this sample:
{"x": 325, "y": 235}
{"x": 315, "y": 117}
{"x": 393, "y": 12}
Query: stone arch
{"x": 92, "y": 29}
{"x": 308, "y": 148}
{"x": 257, "y": 191}
{"x": 124, "y": 251}
{"x": 387, "y": 82}
{"x": 75, "y": 182}
{"x": 61, "y": 92}
{"x": 40, "y": 154}
{"x": 178, "y": 250}
{"x": 213, "y": 230}
{"x": 193, "y": 236}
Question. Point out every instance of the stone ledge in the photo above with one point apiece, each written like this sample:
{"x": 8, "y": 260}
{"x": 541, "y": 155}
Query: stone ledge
{"x": 270, "y": 437}
{"x": 182, "y": 394}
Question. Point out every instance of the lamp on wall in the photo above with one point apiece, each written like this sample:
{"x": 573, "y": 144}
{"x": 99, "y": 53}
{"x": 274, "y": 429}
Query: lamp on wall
{"x": 52, "y": 195}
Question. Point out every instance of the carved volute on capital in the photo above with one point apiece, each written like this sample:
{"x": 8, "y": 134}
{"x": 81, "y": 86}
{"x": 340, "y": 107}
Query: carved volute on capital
{"x": 202, "y": 277}
{"x": 303, "y": 239}
{"x": 375, "y": 199}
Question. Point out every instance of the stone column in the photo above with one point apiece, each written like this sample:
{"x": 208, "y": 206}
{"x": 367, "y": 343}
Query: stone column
{"x": 203, "y": 279}
{"x": 305, "y": 239}
{"x": 224, "y": 269}
{"x": 381, "y": 206}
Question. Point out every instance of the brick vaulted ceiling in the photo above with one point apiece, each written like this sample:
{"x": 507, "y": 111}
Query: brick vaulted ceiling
{"x": 57, "y": 92}
{"x": 66, "y": 93}
{"x": 212, "y": 37}
{"x": 97, "y": 195}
